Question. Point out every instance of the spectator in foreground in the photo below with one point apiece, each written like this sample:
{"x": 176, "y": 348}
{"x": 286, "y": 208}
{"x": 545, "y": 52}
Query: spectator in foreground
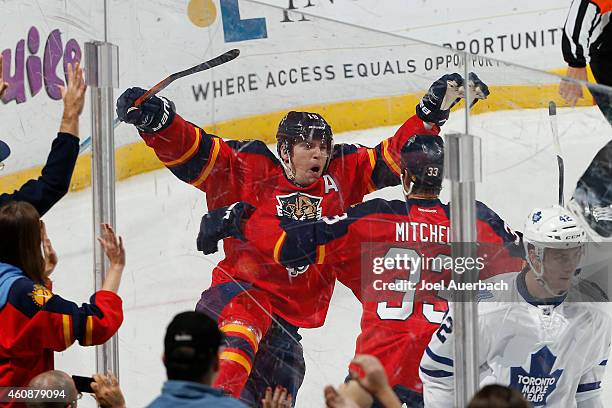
{"x": 55, "y": 381}
{"x": 54, "y": 181}
{"x": 498, "y": 396}
{"x": 107, "y": 391}
{"x": 191, "y": 357}
{"x": 279, "y": 398}
{"x": 34, "y": 322}
{"x": 367, "y": 387}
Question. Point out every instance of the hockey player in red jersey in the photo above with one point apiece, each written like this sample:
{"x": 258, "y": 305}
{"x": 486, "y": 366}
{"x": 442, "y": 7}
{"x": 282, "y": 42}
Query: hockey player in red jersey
{"x": 396, "y": 326}
{"x": 258, "y": 303}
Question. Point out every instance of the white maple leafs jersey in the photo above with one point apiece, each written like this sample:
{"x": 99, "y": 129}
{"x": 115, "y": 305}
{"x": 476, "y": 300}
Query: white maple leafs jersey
{"x": 554, "y": 354}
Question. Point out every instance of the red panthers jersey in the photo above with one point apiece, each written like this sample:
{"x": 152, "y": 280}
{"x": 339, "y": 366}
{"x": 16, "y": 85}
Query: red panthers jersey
{"x": 35, "y": 322}
{"x": 397, "y": 323}
{"x": 230, "y": 171}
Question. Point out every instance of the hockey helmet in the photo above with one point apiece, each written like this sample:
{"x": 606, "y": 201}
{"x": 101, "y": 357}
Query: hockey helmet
{"x": 297, "y": 127}
{"x": 555, "y": 228}
{"x": 423, "y": 157}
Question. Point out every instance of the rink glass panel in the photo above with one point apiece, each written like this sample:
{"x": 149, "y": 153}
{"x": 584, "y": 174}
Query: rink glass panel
{"x": 365, "y": 83}
{"x": 38, "y": 40}
{"x": 519, "y": 160}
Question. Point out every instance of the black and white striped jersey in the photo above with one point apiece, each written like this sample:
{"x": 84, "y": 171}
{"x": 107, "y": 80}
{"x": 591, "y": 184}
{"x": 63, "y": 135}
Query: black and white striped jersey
{"x": 587, "y": 31}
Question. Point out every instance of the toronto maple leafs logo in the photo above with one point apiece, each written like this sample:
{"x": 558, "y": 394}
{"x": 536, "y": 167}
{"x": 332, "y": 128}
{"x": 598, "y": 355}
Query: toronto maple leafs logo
{"x": 299, "y": 206}
{"x": 537, "y": 384}
{"x": 537, "y": 216}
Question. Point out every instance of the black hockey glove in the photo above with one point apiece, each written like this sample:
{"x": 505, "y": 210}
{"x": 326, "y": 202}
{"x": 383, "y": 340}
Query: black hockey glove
{"x": 443, "y": 94}
{"x": 222, "y": 223}
{"x": 478, "y": 89}
{"x": 153, "y": 115}
{"x": 300, "y": 246}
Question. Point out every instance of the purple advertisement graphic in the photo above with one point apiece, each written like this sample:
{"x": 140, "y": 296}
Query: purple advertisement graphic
{"x": 39, "y": 70}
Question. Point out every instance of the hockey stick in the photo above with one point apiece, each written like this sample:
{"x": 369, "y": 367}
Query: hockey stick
{"x": 552, "y": 116}
{"x": 221, "y": 59}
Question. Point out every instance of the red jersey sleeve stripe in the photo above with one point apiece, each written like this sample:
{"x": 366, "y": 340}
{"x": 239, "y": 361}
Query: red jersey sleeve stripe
{"x": 236, "y": 328}
{"x": 67, "y": 326}
{"x": 320, "y": 254}
{"x": 388, "y": 159}
{"x": 371, "y": 187}
{"x": 189, "y": 153}
{"x": 278, "y": 246}
{"x": 89, "y": 331}
{"x": 211, "y": 163}
{"x": 238, "y": 358}
{"x": 372, "y": 158}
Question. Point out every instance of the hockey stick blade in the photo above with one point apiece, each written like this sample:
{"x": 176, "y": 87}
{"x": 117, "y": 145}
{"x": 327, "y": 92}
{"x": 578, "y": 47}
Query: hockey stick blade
{"x": 552, "y": 116}
{"x": 221, "y": 59}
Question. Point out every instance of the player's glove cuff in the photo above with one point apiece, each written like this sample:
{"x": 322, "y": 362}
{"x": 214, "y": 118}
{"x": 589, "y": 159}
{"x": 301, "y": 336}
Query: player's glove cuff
{"x": 222, "y": 223}
{"x": 442, "y": 95}
{"x": 478, "y": 89}
{"x": 153, "y": 122}
{"x": 300, "y": 246}
{"x": 154, "y": 114}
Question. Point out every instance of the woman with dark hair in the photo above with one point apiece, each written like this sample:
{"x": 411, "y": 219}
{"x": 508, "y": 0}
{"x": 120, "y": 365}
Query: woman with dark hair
{"x": 498, "y": 396}
{"x": 34, "y": 322}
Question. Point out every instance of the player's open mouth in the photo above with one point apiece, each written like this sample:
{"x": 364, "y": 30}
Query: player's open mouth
{"x": 315, "y": 169}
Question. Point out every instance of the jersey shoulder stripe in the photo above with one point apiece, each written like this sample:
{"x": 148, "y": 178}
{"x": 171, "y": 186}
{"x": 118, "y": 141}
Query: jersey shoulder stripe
{"x": 439, "y": 359}
{"x": 436, "y": 373}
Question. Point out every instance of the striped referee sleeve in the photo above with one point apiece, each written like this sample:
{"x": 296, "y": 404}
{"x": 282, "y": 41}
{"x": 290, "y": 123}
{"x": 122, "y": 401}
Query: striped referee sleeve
{"x": 582, "y": 20}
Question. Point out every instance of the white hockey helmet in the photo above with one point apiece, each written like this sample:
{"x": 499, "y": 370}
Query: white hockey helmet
{"x": 552, "y": 227}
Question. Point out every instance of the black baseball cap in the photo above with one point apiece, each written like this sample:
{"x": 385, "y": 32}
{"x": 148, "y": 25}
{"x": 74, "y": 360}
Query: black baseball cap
{"x": 195, "y": 334}
{"x": 5, "y": 151}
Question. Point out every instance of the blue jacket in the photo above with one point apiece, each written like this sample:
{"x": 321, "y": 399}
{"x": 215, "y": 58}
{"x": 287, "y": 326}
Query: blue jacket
{"x": 54, "y": 182}
{"x": 189, "y": 394}
{"x": 8, "y": 275}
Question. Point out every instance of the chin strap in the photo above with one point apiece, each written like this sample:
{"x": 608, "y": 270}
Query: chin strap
{"x": 290, "y": 173}
{"x": 288, "y": 167}
{"x": 406, "y": 193}
{"x": 539, "y": 273}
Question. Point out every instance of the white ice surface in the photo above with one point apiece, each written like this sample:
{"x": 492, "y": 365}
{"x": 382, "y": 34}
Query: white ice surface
{"x": 159, "y": 217}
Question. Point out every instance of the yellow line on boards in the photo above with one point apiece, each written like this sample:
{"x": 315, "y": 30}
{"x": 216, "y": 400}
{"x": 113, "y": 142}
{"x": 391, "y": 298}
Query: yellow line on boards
{"x": 137, "y": 158}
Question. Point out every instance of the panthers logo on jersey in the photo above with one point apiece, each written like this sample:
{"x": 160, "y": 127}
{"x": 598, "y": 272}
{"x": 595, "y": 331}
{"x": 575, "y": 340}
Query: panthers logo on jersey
{"x": 299, "y": 206}
{"x": 40, "y": 295}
